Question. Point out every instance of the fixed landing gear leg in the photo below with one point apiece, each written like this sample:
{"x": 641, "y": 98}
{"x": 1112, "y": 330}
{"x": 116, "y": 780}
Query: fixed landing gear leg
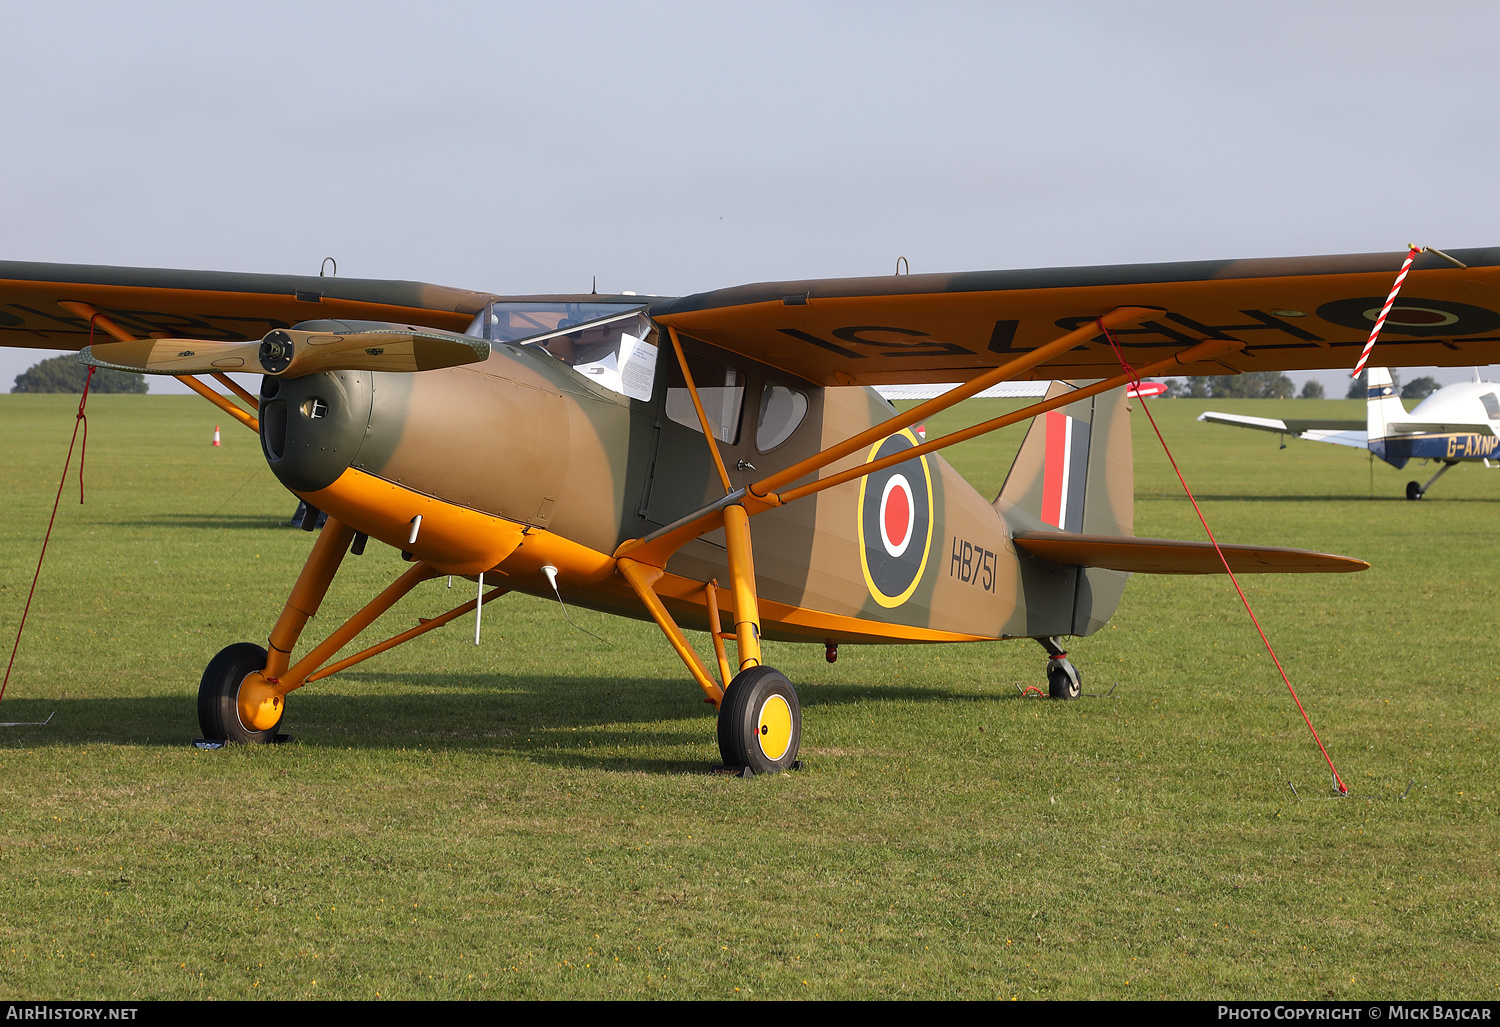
{"x": 1062, "y": 676}
{"x": 1415, "y": 491}
{"x": 239, "y": 698}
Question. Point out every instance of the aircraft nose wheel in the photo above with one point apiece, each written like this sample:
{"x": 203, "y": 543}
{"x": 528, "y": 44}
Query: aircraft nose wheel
{"x": 760, "y": 722}
{"x": 219, "y": 695}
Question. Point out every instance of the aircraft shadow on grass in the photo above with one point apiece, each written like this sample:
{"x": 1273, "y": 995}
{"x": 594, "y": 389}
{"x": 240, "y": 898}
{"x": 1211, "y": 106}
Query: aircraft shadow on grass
{"x": 195, "y": 520}
{"x": 616, "y": 729}
{"x": 1348, "y": 497}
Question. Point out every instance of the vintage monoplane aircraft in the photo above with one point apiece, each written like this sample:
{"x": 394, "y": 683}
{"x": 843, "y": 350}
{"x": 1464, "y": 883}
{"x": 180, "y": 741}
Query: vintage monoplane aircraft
{"x": 1454, "y": 424}
{"x": 616, "y": 450}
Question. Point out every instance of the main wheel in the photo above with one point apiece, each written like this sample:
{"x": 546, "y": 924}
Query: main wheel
{"x": 1062, "y": 680}
{"x": 1413, "y": 490}
{"x": 219, "y": 695}
{"x": 760, "y": 722}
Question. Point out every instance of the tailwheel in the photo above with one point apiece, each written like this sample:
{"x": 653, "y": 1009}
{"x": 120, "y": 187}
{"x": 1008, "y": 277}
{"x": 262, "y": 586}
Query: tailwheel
{"x": 1062, "y": 680}
{"x": 760, "y": 722}
{"x": 234, "y": 702}
{"x": 1062, "y": 676}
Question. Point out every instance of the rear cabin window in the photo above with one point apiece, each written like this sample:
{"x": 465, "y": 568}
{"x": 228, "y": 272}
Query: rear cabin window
{"x": 781, "y": 412}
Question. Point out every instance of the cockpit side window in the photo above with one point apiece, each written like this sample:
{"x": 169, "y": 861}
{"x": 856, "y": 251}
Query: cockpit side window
{"x": 610, "y": 344}
{"x": 1491, "y": 405}
{"x": 721, "y": 389}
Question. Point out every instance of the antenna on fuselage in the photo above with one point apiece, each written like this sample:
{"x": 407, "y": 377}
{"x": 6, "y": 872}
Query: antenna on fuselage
{"x": 478, "y": 607}
{"x": 551, "y": 573}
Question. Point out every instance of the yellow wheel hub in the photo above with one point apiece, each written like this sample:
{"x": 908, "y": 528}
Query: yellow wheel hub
{"x": 259, "y": 703}
{"x": 774, "y": 727}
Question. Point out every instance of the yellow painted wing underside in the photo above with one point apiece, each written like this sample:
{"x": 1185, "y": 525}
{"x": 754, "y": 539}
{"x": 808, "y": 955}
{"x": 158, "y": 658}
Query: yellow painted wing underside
{"x": 210, "y": 306}
{"x": 1291, "y": 314}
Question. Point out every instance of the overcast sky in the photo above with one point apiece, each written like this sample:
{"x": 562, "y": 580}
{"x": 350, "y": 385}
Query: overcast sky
{"x": 676, "y": 147}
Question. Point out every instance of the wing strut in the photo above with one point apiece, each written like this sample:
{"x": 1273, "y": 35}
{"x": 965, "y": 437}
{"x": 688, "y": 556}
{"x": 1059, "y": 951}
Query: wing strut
{"x": 86, "y": 310}
{"x": 641, "y": 578}
{"x": 1117, "y": 318}
{"x": 1202, "y": 351}
{"x": 713, "y": 443}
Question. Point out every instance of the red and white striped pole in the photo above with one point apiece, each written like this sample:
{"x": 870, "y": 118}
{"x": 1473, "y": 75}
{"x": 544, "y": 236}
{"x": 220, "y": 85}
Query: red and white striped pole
{"x": 1411, "y": 255}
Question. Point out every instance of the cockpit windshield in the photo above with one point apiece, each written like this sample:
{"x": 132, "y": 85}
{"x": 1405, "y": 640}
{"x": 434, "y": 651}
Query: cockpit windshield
{"x": 611, "y": 344}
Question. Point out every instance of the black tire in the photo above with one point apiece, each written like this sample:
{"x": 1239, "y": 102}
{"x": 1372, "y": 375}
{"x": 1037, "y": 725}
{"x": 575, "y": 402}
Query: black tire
{"x": 1413, "y": 490}
{"x": 219, "y": 692}
{"x": 760, "y": 715}
{"x": 1062, "y": 680}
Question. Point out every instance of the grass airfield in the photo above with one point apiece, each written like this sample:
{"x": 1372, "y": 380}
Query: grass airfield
{"x": 532, "y": 818}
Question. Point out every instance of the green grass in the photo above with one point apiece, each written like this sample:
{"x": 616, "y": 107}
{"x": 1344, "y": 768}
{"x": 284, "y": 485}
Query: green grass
{"x": 531, "y": 818}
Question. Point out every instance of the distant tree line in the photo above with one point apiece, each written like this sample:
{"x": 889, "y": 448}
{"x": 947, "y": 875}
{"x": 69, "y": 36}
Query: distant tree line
{"x": 1250, "y": 385}
{"x": 66, "y": 374}
{"x": 1274, "y": 385}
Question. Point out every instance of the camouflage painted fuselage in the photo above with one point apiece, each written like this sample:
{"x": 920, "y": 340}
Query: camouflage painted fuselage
{"x": 529, "y": 450}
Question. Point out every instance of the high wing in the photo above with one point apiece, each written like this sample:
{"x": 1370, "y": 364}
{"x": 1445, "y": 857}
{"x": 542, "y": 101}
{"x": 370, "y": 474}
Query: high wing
{"x": 1297, "y": 313}
{"x": 213, "y": 306}
{"x": 1340, "y": 433}
{"x": 1294, "y": 313}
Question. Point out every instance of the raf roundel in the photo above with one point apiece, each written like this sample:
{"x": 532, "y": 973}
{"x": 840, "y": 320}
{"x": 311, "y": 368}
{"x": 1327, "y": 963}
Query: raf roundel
{"x": 895, "y": 523}
{"x": 898, "y": 515}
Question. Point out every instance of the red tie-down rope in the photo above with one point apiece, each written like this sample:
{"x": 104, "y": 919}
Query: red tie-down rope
{"x": 1136, "y": 380}
{"x": 81, "y": 420}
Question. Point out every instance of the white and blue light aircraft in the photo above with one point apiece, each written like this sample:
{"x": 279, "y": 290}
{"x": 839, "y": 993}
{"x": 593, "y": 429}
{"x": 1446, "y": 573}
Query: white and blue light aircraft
{"x": 1454, "y": 424}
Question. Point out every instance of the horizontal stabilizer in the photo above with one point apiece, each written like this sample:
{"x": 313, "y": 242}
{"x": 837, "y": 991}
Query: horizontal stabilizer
{"x": 292, "y": 353}
{"x": 1170, "y": 556}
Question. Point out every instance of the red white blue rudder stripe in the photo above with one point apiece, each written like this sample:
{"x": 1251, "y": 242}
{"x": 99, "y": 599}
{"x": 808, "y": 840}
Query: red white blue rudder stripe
{"x": 1065, "y": 473}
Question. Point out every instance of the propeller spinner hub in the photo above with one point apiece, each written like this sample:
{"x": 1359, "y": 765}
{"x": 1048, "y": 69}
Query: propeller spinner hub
{"x": 276, "y": 352}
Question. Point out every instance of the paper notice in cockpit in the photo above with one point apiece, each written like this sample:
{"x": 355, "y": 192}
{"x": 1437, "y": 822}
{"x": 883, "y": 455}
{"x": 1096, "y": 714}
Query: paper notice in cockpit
{"x": 637, "y": 366}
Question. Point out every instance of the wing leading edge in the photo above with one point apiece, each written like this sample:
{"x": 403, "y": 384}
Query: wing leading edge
{"x": 1291, "y": 314}
{"x": 212, "y": 306}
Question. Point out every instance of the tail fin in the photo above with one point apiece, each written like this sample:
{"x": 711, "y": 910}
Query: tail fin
{"x": 1074, "y": 473}
{"x": 1382, "y": 407}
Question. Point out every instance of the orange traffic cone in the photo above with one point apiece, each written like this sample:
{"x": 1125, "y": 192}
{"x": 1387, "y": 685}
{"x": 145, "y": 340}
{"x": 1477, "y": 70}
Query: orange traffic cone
{"x": 216, "y": 435}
